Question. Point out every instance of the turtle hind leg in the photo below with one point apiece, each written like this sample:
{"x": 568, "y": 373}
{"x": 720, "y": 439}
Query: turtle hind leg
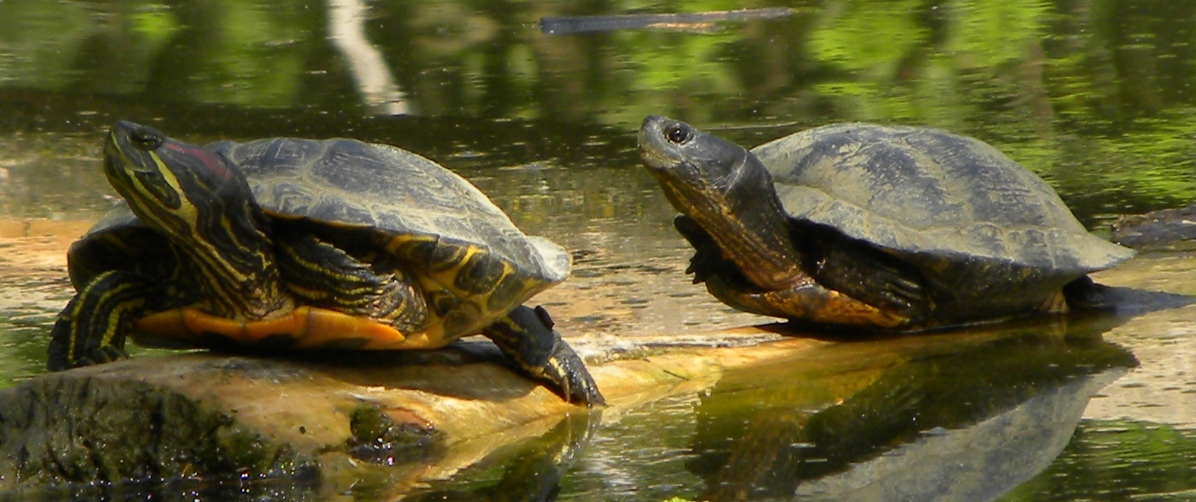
{"x": 322, "y": 275}
{"x": 1084, "y": 293}
{"x": 526, "y": 336}
{"x": 1056, "y": 303}
{"x": 93, "y": 326}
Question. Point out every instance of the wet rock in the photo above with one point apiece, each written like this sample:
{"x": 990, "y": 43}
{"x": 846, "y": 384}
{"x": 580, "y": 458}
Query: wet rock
{"x": 331, "y": 421}
{"x": 1156, "y": 228}
{"x": 379, "y": 438}
{"x": 88, "y": 429}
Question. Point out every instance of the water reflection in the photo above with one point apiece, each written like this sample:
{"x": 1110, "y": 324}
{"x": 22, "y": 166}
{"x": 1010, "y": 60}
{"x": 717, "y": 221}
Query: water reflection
{"x": 1094, "y": 94}
{"x": 961, "y": 416}
{"x": 346, "y": 30}
{"x": 962, "y": 426}
{"x": 530, "y": 471}
{"x": 1118, "y": 460}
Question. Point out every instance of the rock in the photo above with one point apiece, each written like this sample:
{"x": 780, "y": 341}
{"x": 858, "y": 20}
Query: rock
{"x": 1156, "y": 228}
{"x": 396, "y": 418}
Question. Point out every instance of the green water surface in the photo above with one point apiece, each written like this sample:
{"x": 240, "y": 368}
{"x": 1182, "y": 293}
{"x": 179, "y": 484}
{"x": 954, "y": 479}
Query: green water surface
{"x": 1094, "y": 95}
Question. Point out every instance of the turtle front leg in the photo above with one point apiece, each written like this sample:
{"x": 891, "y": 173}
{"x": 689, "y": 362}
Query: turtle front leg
{"x": 526, "y": 336}
{"x": 708, "y": 258}
{"x": 865, "y": 273}
{"x": 93, "y": 326}
{"x": 323, "y": 275}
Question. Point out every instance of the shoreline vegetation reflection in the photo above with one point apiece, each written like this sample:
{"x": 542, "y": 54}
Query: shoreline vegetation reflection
{"x": 1094, "y": 95}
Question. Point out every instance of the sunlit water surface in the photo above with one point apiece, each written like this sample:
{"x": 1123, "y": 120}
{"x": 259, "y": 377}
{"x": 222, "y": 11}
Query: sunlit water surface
{"x": 1092, "y": 94}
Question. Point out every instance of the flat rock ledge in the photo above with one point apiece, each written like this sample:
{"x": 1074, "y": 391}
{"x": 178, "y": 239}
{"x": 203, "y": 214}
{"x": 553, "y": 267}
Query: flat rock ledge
{"x": 399, "y": 418}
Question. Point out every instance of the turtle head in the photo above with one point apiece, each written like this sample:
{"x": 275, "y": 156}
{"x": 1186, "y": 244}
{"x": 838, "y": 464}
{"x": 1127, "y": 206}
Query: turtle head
{"x": 674, "y": 149}
{"x": 197, "y": 200}
{"x": 173, "y": 186}
{"x": 703, "y": 175}
{"x": 727, "y": 191}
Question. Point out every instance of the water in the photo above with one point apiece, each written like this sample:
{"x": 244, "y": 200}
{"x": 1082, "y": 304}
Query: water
{"x": 1095, "y": 95}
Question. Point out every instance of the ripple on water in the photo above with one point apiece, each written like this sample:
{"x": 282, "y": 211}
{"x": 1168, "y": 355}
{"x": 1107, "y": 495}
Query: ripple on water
{"x": 639, "y": 455}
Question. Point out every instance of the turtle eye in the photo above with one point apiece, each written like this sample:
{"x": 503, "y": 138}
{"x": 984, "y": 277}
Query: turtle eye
{"x": 146, "y": 139}
{"x": 678, "y": 134}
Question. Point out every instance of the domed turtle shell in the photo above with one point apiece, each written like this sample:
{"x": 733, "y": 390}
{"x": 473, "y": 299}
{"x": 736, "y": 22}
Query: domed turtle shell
{"x": 974, "y": 221}
{"x": 437, "y": 223}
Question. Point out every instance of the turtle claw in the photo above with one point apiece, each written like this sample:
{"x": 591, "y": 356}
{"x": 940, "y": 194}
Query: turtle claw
{"x": 706, "y": 262}
{"x": 576, "y": 384}
{"x": 708, "y": 258}
{"x": 567, "y": 368}
{"x": 81, "y": 335}
{"x": 61, "y": 357}
{"x": 101, "y": 355}
{"x": 903, "y": 291}
{"x": 111, "y": 353}
{"x": 527, "y": 338}
{"x": 542, "y": 315}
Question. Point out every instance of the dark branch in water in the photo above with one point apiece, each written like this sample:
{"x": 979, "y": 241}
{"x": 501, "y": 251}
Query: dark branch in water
{"x": 681, "y": 21}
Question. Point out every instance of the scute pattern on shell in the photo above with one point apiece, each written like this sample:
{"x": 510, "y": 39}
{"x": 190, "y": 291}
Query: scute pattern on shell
{"x": 348, "y": 182}
{"x": 932, "y": 196}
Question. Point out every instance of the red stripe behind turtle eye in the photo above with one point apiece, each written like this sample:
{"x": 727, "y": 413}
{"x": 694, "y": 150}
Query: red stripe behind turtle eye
{"x": 210, "y": 160}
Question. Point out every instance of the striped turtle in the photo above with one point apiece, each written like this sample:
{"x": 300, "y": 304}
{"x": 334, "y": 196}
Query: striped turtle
{"x": 301, "y": 244}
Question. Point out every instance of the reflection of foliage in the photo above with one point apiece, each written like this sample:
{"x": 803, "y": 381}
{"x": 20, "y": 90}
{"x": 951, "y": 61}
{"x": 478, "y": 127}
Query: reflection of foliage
{"x": 253, "y": 60}
{"x": 990, "y": 33}
{"x": 870, "y": 37}
{"x": 1111, "y": 70}
{"x": 38, "y": 42}
{"x": 875, "y": 41}
{"x": 681, "y": 72}
{"x": 156, "y": 25}
{"x": 1067, "y": 88}
{"x": 119, "y": 58}
{"x": 1155, "y": 161}
{"x": 910, "y": 62}
{"x": 1117, "y": 460}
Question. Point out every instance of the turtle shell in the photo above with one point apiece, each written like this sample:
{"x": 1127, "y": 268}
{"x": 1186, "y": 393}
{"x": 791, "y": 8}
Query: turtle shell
{"x": 440, "y": 227}
{"x": 976, "y": 223}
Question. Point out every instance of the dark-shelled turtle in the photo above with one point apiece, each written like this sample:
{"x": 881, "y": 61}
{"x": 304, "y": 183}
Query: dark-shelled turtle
{"x": 857, "y": 224}
{"x": 302, "y": 244}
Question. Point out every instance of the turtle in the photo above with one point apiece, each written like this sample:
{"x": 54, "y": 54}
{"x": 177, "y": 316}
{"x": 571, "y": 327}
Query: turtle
{"x": 870, "y": 226}
{"x": 296, "y": 244}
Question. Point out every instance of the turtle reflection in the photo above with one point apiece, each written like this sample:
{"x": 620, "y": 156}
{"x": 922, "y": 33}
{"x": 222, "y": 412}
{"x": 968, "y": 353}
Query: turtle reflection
{"x": 963, "y": 426}
{"x": 529, "y": 471}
